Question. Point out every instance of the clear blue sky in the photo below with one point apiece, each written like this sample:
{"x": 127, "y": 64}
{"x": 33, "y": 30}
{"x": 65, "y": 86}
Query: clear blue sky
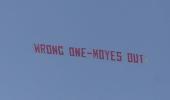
{"x": 141, "y": 26}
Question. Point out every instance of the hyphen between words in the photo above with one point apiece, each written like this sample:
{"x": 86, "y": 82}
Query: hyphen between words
{"x": 101, "y": 54}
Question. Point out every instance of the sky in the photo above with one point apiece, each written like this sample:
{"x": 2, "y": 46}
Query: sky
{"x": 139, "y": 26}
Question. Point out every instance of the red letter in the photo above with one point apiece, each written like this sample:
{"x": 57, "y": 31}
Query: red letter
{"x": 141, "y": 58}
{"x": 60, "y": 48}
{"x": 42, "y": 48}
{"x": 112, "y": 55}
{"x": 37, "y": 48}
{"x": 135, "y": 58}
{"x": 107, "y": 54}
{"x": 130, "y": 58}
{"x": 119, "y": 56}
{"x": 95, "y": 53}
{"x": 101, "y": 54}
{"x": 71, "y": 51}
{"x": 48, "y": 48}
{"x": 77, "y": 51}
{"x": 83, "y": 52}
{"x": 55, "y": 50}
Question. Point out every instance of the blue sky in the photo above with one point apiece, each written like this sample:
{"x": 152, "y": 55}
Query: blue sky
{"x": 140, "y": 26}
